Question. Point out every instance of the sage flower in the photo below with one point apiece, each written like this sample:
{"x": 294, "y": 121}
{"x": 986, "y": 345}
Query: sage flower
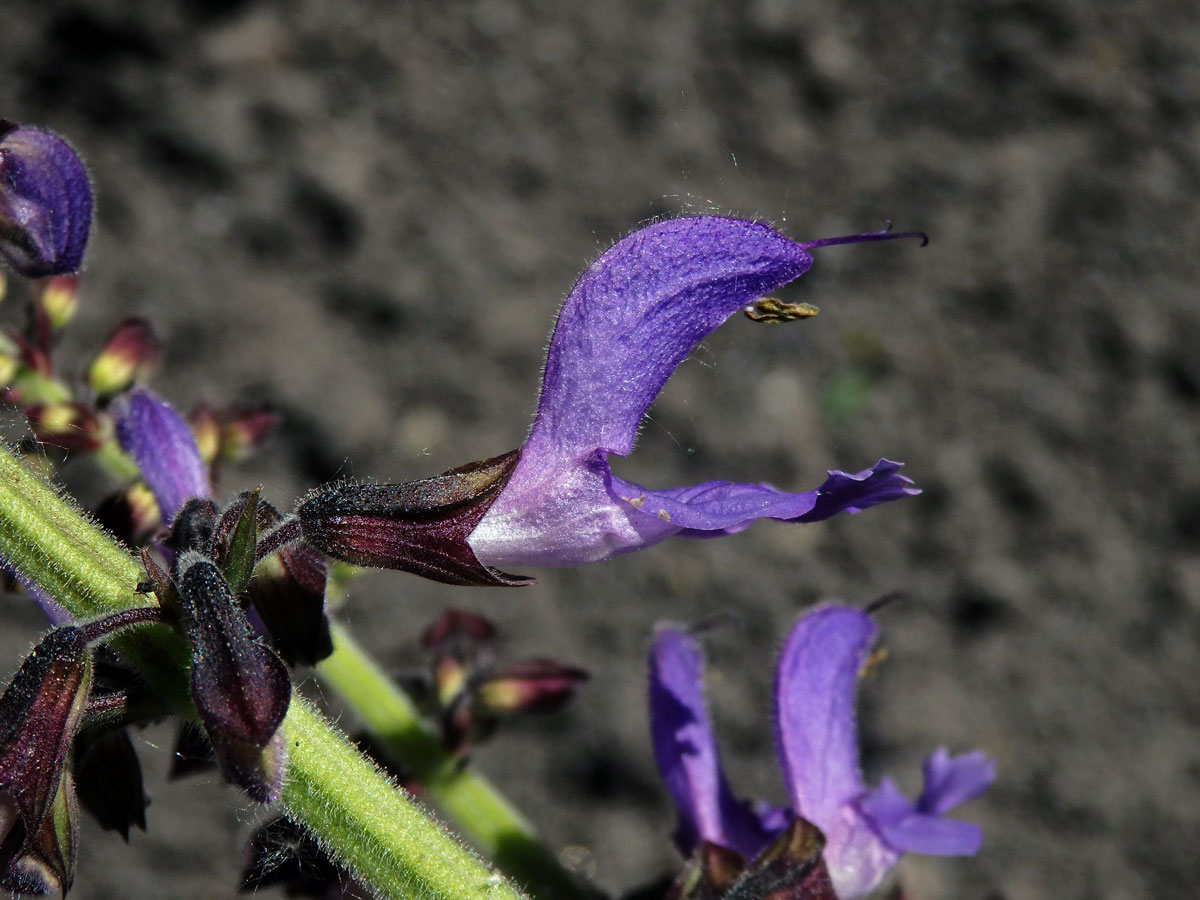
{"x": 866, "y": 831}
{"x": 631, "y": 319}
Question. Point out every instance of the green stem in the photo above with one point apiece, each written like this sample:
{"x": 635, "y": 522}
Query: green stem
{"x": 373, "y": 828}
{"x": 349, "y": 803}
{"x": 483, "y": 813}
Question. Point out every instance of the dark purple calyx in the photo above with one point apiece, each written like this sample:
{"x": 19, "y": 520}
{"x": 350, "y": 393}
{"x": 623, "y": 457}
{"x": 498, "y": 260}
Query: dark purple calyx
{"x": 790, "y": 868}
{"x": 416, "y": 526}
{"x": 241, "y": 688}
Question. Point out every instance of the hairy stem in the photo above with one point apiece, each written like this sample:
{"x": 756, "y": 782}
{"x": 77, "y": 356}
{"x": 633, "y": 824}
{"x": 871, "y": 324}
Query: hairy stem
{"x": 359, "y": 814}
{"x": 484, "y": 815}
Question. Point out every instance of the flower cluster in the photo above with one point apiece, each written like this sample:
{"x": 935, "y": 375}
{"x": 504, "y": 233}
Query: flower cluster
{"x": 242, "y": 585}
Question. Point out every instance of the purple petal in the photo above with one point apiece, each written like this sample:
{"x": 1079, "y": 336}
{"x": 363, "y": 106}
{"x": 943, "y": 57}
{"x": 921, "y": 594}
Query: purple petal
{"x": 843, "y": 492}
{"x": 633, "y": 316}
{"x": 815, "y": 731}
{"x": 906, "y": 829}
{"x": 722, "y": 507}
{"x": 816, "y": 738}
{"x": 45, "y": 203}
{"x": 952, "y": 780}
{"x": 162, "y": 445}
{"x": 687, "y": 757}
{"x": 636, "y": 313}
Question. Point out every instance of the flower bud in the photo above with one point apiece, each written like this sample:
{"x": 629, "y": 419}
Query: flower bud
{"x": 40, "y": 712}
{"x": 45, "y": 203}
{"x": 68, "y": 426}
{"x": 131, "y": 352}
{"x": 206, "y": 428}
{"x": 240, "y": 687}
{"x": 162, "y": 445}
{"x": 131, "y": 515}
{"x": 528, "y": 686}
{"x": 244, "y": 430}
{"x": 57, "y": 299}
{"x": 459, "y": 632}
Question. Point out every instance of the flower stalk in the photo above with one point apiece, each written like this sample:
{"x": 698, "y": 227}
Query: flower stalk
{"x": 356, "y": 811}
{"x": 485, "y": 816}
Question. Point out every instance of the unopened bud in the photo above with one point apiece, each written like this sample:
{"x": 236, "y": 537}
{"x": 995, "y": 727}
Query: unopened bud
{"x": 240, "y": 687}
{"x": 457, "y": 629}
{"x": 206, "y": 428}
{"x": 528, "y": 686}
{"x": 45, "y": 203}
{"x": 131, "y": 352}
{"x": 131, "y": 514}
{"x": 39, "y": 714}
{"x": 69, "y": 426}
{"x": 244, "y": 430}
{"x": 58, "y": 298}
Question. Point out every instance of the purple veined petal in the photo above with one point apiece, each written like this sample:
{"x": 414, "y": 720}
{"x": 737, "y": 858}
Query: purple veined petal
{"x": 953, "y": 780}
{"x": 906, "y": 829}
{"x": 686, "y": 753}
{"x": 164, "y": 449}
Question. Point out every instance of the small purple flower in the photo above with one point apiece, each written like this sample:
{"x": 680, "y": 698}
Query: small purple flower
{"x": 45, "y": 202}
{"x": 631, "y": 319}
{"x": 816, "y": 740}
{"x": 162, "y": 445}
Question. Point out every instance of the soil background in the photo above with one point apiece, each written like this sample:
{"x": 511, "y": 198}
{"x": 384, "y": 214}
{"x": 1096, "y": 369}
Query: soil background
{"x": 367, "y": 213}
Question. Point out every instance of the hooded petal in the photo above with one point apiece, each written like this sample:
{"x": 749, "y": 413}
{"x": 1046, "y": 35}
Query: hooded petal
{"x": 162, "y": 445}
{"x": 817, "y": 741}
{"x": 635, "y": 314}
{"x": 631, "y": 319}
{"x": 686, "y": 752}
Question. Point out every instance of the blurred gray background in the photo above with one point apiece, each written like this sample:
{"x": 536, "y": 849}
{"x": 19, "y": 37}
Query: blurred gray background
{"x": 368, "y": 212}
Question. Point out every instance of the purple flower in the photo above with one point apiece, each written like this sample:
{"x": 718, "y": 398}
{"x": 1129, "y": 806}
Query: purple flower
{"x": 45, "y": 202}
{"x": 630, "y": 320}
{"x": 162, "y": 445}
{"x": 866, "y": 831}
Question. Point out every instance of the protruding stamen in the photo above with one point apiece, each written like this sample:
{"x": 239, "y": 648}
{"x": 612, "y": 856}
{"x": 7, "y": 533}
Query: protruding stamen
{"x": 883, "y": 235}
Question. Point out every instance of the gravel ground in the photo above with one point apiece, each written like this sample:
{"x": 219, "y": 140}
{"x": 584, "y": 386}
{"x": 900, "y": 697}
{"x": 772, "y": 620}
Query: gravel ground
{"x": 367, "y": 214}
